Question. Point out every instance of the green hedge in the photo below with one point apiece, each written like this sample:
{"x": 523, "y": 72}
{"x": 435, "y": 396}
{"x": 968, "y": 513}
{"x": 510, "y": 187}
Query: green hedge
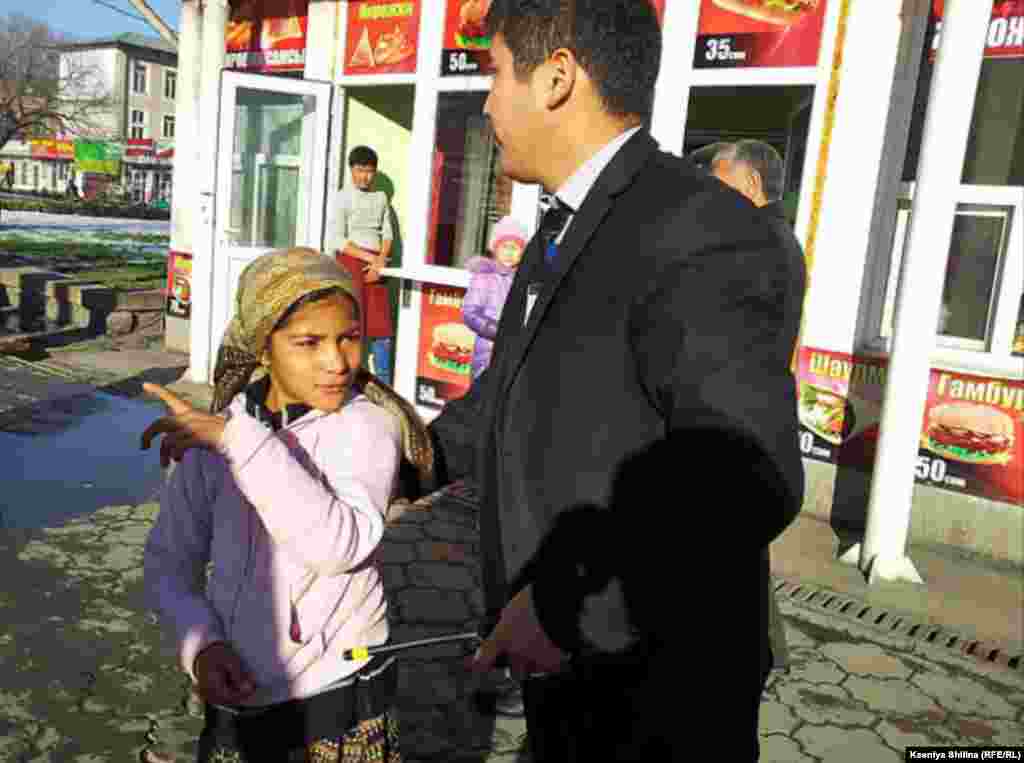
{"x": 90, "y": 208}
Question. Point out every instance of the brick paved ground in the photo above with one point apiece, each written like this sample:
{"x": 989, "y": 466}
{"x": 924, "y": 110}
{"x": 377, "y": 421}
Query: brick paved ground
{"x": 86, "y": 675}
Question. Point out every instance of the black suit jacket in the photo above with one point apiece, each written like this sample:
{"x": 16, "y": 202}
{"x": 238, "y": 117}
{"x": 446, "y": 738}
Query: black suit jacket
{"x": 641, "y": 426}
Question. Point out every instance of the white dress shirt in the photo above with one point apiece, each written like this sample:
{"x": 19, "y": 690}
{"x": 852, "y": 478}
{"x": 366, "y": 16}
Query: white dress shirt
{"x": 574, "y": 190}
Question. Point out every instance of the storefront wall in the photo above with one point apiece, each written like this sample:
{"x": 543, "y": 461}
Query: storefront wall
{"x": 844, "y": 113}
{"x": 856, "y": 269}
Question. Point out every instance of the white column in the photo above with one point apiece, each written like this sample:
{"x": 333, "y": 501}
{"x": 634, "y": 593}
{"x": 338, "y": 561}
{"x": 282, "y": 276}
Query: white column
{"x": 202, "y": 192}
{"x": 321, "y": 30}
{"x": 186, "y": 113}
{"x": 324, "y": 51}
{"x": 679, "y": 37}
{"x": 421, "y": 157}
{"x": 944, "y": 142}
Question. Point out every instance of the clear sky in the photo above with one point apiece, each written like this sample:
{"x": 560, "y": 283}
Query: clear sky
{"x": 87, "y": 19}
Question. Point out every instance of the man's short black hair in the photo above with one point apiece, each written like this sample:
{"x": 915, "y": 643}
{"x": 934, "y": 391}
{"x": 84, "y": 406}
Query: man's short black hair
{"x": 617, "y": 42}
{"x": 362, "y": 156}
{"x": 763, "y": 158}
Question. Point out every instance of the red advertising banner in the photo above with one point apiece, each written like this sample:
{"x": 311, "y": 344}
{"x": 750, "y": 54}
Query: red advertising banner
{"x": 267, "y": 35}
{"x": 1005, "y": 30}
{"x": 381, "y": 36}
{"x": 466, "y": 46}
{"x": 446, "y": 347}
{"x": 972, "y": 434}
{"x": 140, "y": 147}
{"x": 51, "y": 148}
{"x": 759, "y": 33}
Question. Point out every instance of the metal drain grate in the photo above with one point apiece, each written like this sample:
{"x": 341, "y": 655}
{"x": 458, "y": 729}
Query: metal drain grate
{"x": 823, "y": 600}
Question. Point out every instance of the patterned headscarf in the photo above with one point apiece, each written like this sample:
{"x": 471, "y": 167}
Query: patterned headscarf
{"x": 270, "y": 285}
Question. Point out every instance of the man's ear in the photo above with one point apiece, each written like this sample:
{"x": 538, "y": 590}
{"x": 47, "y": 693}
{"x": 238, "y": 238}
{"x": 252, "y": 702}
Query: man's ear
{"x": 755, "y": 181}
{"x": 559, "y": 77}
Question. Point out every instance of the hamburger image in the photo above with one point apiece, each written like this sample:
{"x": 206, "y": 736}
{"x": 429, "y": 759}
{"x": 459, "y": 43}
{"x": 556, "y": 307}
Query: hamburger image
{"x": 970, "y": 433}
{"x": 781, "y": 12}
{"x": 392, "y": 48}
{"x": 452, "y": 348}
{"x": 825, "y": 413}
{"x": 281, "y": 28}
{"x": 471, "y": 32}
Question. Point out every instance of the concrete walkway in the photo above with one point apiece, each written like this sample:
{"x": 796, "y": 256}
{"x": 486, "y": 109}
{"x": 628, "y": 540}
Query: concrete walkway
{"x": 87, "y": 675}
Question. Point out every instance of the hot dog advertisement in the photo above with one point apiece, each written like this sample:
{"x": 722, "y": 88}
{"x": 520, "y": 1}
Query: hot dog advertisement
{"x": 446, "y": 347}
{"x": 972, "y": 432}
{"x": 267, "y": 35}
{"x": 761, "y": 33}
{"x": 466, "y": 44}
{"x": 381, "y": 36}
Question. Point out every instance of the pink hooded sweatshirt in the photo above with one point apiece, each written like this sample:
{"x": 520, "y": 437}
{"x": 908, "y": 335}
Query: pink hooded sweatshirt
{"x": 290, "y": 521}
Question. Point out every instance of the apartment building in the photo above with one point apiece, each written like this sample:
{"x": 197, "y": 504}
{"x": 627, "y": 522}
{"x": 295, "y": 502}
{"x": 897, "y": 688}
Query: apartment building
{"x": 137, "y": 131}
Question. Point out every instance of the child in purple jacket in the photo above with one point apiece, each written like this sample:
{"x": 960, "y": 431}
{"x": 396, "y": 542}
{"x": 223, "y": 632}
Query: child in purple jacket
{"x": 489, "y": 287}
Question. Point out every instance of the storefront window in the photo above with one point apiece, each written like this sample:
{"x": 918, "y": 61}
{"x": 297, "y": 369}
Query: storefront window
{"x": 976, "y": 257}
{"x": 973, "y": 293}
{"x": 777, "y": 115}
{"x": 469, "y": 193}
{"x": 265, "y": 168}
{"x": 995, "y": 147}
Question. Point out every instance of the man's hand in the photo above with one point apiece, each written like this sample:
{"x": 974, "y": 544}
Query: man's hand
{"x": 519, "y": 636}
{"x": 372, "y": 270}
{"x": 220, "y": 675}
{"x": 184, "y": 428}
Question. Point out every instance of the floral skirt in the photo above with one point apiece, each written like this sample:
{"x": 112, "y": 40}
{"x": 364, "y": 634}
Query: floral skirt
{"x": 375, "y": 740}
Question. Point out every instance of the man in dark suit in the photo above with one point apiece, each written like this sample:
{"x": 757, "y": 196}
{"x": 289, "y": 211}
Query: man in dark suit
{"x": 635, "y": 436}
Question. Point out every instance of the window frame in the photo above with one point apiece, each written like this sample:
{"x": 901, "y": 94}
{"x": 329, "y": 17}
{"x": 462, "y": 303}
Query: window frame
{"x": 140, "y": 125}
{"x": 137, "y": 67}
{"x": 994, "y": 354}
{"x": 171, "y": 78}
{"x": 163, "y": 127}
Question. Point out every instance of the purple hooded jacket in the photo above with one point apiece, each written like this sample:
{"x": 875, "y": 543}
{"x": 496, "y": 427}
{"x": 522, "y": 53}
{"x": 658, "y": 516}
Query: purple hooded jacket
{"x": 482, "y": 305}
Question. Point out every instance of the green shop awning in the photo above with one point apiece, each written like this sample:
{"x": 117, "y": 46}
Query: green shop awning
{"x": 98, "y": 156}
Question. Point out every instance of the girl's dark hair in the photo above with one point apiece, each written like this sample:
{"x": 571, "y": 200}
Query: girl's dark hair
{"x": 617, "y": 42}
{"x": 314, "y": 296}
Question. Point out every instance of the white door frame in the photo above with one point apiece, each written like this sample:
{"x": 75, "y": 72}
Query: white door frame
{"x": 229, "y": 261}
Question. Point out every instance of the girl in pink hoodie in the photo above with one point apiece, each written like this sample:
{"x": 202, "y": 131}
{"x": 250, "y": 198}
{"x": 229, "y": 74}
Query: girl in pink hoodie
{"x": 261, "y": 560}
{"x": 489, "y": 287}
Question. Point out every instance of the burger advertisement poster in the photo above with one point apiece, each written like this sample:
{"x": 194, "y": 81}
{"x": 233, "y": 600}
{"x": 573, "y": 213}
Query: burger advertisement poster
{"x": 446, "y": 347}
{"x": 761, "y": 33}
{"x": 1005, "y": 29}
{"x": 972, "y": 434}
{"x": 381, "y": 36}
{"x": 466, "y": 44}
{"x": 267, "y": 35}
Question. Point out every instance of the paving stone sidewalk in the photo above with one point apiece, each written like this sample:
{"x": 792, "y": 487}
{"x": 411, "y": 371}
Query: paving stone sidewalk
{"x": 88, "y": 676}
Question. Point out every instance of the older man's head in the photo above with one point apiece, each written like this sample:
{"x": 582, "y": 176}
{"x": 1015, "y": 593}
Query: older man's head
{"x": 753, "y": 168}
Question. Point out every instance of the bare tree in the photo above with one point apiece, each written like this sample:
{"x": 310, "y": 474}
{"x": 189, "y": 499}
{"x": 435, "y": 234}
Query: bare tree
{"x": 42, "y": 92}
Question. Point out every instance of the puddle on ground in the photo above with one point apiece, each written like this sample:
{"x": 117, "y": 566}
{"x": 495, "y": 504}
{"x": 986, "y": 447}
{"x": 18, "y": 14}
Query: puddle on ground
{"x": 76, "y": 455}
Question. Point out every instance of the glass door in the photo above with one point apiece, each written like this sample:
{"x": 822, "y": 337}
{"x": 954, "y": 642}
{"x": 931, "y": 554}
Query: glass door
{"x": 271, "y": 176}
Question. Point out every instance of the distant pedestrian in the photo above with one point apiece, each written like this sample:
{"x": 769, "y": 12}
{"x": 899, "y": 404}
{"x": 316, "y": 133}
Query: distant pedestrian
{"x": 489, "y": 287}
{"x": 289, "y": 524}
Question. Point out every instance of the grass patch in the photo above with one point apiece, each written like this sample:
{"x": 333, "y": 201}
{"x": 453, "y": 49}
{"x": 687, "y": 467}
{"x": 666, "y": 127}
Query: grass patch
{"x": 119, "y": 260}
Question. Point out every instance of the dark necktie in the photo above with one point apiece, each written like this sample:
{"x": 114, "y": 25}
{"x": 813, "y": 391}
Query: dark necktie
{"x": 551, "y": 225}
